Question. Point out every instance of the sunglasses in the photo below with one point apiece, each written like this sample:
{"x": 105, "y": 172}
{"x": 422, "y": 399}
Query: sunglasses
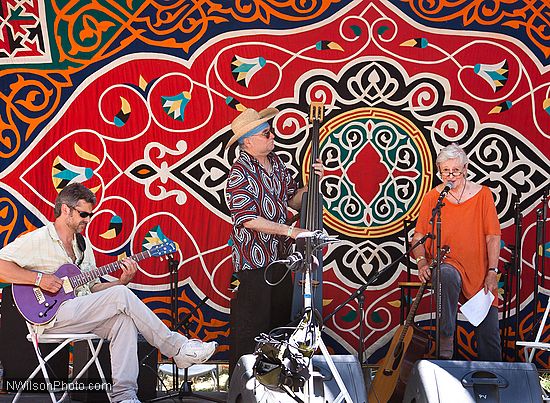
{"x": 83, "y": 214}
{"x": 265, "y": 133}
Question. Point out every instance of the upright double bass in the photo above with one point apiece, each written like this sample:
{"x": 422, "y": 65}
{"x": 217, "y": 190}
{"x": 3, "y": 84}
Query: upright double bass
{"x": 311, "y": 218}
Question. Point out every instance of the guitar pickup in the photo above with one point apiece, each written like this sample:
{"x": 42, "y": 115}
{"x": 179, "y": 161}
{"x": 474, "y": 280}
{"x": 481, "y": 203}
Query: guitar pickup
{"x": 39, "y": 295}
{"x": 67, "y": 287}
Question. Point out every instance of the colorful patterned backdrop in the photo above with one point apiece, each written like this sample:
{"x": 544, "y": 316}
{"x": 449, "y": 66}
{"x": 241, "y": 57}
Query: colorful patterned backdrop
{"x": 135, "y": 98}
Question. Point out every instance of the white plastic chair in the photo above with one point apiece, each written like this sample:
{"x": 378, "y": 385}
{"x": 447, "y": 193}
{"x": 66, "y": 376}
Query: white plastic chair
{"x": 536, "y": 344}
{"x": 62, "y": 339}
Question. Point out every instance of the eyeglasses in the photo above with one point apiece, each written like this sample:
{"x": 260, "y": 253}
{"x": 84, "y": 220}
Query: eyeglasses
{"x": 83, "y": 214}
{"x": 454, "y": 172}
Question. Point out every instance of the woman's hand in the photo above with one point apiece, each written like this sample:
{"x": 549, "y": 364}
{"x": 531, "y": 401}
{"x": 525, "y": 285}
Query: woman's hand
{"x": 424, "y": 272}
{"x": 490, "y": 284}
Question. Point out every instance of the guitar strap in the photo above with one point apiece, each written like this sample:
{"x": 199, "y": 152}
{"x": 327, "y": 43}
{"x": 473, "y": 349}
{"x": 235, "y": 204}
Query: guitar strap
{"x": 81, "y": 243}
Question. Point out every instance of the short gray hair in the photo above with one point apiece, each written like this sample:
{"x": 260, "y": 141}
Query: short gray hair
{"x": 451, "y": 152}
{"x": 71, "y": 194}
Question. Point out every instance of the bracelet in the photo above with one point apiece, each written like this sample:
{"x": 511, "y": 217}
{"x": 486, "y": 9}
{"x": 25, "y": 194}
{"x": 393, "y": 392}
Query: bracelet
{"x": 38, "y": 279}
{"x": 290, "y": 229}
{"x": 495, "y": 269}
{"x": 419, "y": 258}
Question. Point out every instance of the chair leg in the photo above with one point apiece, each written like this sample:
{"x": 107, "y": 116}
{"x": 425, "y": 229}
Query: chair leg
{"x": 42, "y": 367}
{"x": 94, "y": 359}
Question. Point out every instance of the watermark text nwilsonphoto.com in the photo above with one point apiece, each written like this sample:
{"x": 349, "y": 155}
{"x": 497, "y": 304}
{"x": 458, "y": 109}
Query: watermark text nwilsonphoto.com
{"x": 41, "y": 386}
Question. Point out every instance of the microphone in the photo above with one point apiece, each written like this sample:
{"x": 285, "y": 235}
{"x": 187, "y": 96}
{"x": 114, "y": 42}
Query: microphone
{"x": 317, "y": 236}
{"x": 293, "y": 261}
{"x": 448, "y": 186}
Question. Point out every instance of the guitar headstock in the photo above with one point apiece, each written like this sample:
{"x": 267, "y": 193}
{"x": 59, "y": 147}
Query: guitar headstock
{"x": 316, "y": 111}
{"x": 165, "y": 248}
{"x": 445, "y": 249}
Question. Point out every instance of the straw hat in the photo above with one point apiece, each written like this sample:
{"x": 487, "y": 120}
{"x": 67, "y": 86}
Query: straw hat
{"x": 248, "y": 120}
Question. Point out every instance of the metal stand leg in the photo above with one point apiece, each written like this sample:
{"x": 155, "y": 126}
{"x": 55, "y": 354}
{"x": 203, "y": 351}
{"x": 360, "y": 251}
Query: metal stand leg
{"x": 309, "y": 387}
{"x": 344, "y": 394}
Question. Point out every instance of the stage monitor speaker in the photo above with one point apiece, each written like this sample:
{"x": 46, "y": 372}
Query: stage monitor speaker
{"x": 17, "y": 353}
{"x": 245, "y": 388}
{"x": 473, "y": 381}
{"x": 147, "y": 378}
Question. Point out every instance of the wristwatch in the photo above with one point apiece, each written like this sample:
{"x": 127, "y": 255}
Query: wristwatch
{"x": 495, "y": 269}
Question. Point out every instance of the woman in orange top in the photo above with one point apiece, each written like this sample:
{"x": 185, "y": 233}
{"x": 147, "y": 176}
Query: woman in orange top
{"x": 470, "y": 226}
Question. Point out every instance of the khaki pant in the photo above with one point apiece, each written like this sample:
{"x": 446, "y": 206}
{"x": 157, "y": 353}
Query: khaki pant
{"x": 118, "y": 315}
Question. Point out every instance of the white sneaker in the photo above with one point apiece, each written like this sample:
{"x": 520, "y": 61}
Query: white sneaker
{"x": 194, "y": 352}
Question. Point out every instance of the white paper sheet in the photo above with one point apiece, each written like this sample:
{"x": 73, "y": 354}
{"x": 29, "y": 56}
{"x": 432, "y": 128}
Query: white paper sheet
{"x": 477, "y": 307}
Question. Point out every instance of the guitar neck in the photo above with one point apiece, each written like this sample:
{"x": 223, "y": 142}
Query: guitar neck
{"x": 412, "y": 311}
{"x": 410, "y": 317}
{"x": 86, "y": 277}
{"x": 312, "y": 216}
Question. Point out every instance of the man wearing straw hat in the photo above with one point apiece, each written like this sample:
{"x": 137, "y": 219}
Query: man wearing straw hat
{"x": 259, "y": 191}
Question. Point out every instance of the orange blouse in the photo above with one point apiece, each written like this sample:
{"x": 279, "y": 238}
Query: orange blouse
{"x": 464, "y": 227}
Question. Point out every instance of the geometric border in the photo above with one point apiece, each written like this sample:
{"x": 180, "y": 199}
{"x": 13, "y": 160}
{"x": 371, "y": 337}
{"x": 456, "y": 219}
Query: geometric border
{"x": 46, "y": 57}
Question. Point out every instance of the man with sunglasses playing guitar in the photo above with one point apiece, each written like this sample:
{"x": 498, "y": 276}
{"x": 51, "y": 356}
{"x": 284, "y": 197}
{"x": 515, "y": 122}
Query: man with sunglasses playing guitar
{"x": 110, "y": 310}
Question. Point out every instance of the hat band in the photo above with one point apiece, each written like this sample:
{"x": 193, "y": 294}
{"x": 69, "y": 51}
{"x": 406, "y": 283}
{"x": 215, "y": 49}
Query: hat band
{"x": 256, "y": 130}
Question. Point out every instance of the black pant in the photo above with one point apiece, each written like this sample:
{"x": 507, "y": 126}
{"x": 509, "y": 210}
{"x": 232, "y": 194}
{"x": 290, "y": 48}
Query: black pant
{"x": 257, "y": 308}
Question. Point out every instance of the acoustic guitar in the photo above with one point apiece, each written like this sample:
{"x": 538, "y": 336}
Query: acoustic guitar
{"x": 391, "y": 370}
{"x": 40, "y": 307}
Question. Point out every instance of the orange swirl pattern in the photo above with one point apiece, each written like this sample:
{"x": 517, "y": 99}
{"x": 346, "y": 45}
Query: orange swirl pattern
{"x": 527, "y": 18}
{"x": 86, "y": 33}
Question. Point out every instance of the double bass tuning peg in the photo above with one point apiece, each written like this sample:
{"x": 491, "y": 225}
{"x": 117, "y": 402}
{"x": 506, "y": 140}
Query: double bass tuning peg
{"x": 316, "y": 111}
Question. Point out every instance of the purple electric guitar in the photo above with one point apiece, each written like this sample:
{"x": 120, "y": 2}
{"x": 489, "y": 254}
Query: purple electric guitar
{"x": 39, "y": 306}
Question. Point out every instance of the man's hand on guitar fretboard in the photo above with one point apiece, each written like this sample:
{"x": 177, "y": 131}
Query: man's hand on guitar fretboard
{"x": 129, "y": 268}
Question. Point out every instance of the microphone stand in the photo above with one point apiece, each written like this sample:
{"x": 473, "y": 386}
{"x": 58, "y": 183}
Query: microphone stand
{"x": 173, "y": 269}
{"x": 506, "y": 305}
{"x": 540, "y": 258}
{"x": 517, "y": 263}
{"x": 185, "y": 390}
{"x": 436, "y": 213}
{"x": 359, "y": 293}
